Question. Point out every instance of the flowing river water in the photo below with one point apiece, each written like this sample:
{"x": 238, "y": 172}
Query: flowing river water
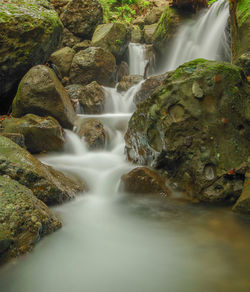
{"x": 112, "y": 243}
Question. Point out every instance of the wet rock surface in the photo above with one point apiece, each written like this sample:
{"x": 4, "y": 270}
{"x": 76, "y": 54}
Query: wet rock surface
{"x": 81, "y": 17}
{"x": 29, "y": 33}
{"x": 41, "y": 93}
{"x": 47, "y": 184}
{"x": 128, "y": 81}
{"x": 41, "y": 134}
{"x": 93, "y": 64}
{"x": 23, "y": 219}
{"x": 143, "y": 180}
{"x": 93, "y": 133}
{"x": 192, "y": 135}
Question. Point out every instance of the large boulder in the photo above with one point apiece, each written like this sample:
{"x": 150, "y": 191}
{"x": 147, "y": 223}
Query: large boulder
{"x": 143, "y": 180}
{"x": 29, "y": 33}
{"x": 82, "y": 16}
{"x": 93, "y": 133}
{"x": 149, "y": 31}
{"x": 41, "y": 134}
{"x": 114, "y": 37}
{"x": 47, "y": 184}
{"x": 196, "y": 127}
{"x": 243, "y": 203}
{"x": 23, "y": 219}
{"x": 166, "y": 28}
{"x": 62, "y": 59}
{"x": 240, "y": 33}
{"x": 93, "y": 64}
{"x": 41, "y": 93}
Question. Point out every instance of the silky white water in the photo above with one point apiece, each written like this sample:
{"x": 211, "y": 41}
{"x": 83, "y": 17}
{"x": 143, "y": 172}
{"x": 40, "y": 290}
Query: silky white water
{"x": 137, "y": 59}
{"x": 112, "y": 242}
{"x": 205, "y": 37}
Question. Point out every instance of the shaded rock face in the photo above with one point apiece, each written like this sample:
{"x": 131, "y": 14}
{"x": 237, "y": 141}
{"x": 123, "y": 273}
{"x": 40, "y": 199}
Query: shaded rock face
{"x": 93, "y": 133}
{"x": 40, "y": 133}
{"x": 23, "y": 219}
{"x": 148, "y": 87}
{"x": 189, "y": 5}
{"x": 68, "y": 39}
{"x": 244, "y": 62}
{"x": 243, "y": 203}
{"x": 143, "y": 180}
{"x": 121, "y": 70}
{"x": 114, "y": 37}
{"x": 29, "y": 33}
{"x": 93, "y": 64}
{"x": 82, "y": 46}
{"x": 92, "y": 99}
{"x": 82, "y": 16}
{"x": 47, "y": 184}
{"x": 196, "y": 127}
{"x": 128, "y": 81}
{"x": 62, "y": 59}
{"x": 15, "y": 137}
{"x": 166, "y": 28}
{"x": 153, "y": 15}
{"x": 41, "y": 93}
{"x": 149, "y": 31}
{"x": 136, "y": 34}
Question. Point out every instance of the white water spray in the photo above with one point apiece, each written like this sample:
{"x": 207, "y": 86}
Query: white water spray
{"x": 205, "y": 37}
{"x": 137, "y": 59}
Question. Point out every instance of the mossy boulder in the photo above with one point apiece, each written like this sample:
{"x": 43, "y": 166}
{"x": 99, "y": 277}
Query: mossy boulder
{"x": 195, "y": 126}
{"x": 41, "y": 134}
{"x": 29, "y": 33}
{"x": 149, "y": 31}
{"x": 81, "y": 17}
{"x": 166, "y": 28}
{"x": 93, "y": 64}
{"x": 114, "y": 37}
{"x": 41, "y": 93}
{"x": 47, "y": 184}
{"x": 23, "y": 219}
{"x": 240, "y": 22}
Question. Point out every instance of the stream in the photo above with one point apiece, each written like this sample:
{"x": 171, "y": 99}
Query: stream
{"x": 114, "y": 243}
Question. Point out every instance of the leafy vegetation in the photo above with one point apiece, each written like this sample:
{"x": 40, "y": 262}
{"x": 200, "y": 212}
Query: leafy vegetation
{"x": 124, "y": 10}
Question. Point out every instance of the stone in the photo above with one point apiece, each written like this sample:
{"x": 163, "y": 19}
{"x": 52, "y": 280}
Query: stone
{"x": 113, "y": 37}
{"x": 41, "y": 93}
{"x": 121, "y": 71}
{"x": 136, "y": 34}
{"x": 92, "y": 99}
{"x": 82, "y": 46}
{"x": 143, "y": 180}
{"x": 192, "y": 138}
{"x": 41, "y": 134}
{"x": 197, "y": 91}
{"x": 244, "y": 62}
{"x": 242, "y": 205}
{"x": 62, "y": 58}
{"x": 93, "y": 64}
{"x": 128, "y": 81}
{"x": 93, "y": 133}
{"x": 153, "y": 15}
{"x": 81, "y": 17}
{"x": 15, "y": 137}
{"x": 47, "y": 184}
{"x": 23, "y": 219}
{"x": 29, "y": 33}
{"x": 149, "y": 31}
{"x": 68, "y": 39}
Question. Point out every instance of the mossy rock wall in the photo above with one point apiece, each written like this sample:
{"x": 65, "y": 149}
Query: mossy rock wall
{"x": 29, "y": 32}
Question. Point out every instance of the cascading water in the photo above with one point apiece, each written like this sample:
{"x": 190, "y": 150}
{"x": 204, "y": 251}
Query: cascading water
{"x": 205, "y": 37}
{"x": 137, "y": 59}
{"x": 111, "y": 244}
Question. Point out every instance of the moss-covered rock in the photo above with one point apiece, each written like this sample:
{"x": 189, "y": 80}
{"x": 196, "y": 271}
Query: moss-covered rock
{"x": 23, "y": 219}
{"x": 41, "y": 93}
{"x": 196, "y": 127}
{"x": 47, "y": 184}
{"x": 41, "y": 134}
{"x": 240, "y": 22}
{"x": 29, "y": 33}
{"x": 113, "y": 37}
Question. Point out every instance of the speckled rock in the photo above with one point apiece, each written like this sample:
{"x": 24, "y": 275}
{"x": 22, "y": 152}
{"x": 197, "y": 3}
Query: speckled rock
{"x": 192, "y": 137}
{"x": 62, "y": 59}
{"x": 41, "y": 134}
{"x": 47, "y": 184}
{"x": 82, "y": 16}
{"x": 93, "y": 64}
{"x": 29, "y": 33}
{"x": 41, "y": 93}
{"x": 143, "y": 180}
{"x": 93, "y": 132}
{"x": 23, "y": 219}
{"x": 128, "y": 81}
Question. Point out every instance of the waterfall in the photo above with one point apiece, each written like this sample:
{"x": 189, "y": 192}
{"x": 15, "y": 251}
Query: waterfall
{"x": 137, "y": 59}
{"x": 205, "y": 37}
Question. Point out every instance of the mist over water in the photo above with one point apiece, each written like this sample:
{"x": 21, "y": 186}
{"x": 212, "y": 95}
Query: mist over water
{"x": 114, "y": 243}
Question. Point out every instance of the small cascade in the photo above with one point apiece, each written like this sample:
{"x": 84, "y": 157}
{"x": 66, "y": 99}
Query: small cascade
{"x": 137, "y": 59}
{"x": 205, "y": 37}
